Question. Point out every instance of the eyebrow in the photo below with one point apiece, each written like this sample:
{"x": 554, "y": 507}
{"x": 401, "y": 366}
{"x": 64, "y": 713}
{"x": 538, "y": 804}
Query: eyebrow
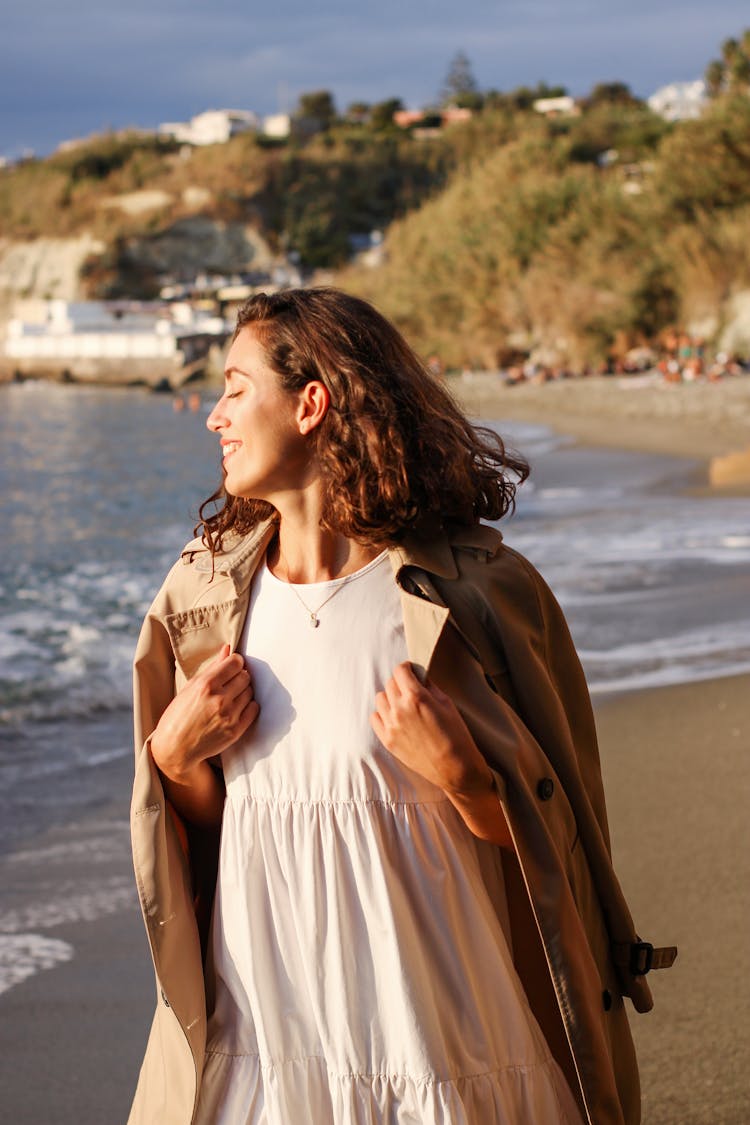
{"x": 229, "y": 371}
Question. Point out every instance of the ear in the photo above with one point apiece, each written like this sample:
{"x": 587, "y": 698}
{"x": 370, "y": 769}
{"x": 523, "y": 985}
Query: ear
{"x": 314, "y": 400}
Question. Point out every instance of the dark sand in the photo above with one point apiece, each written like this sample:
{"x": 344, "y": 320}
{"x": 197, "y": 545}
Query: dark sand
{"x": 71, "y": 1037}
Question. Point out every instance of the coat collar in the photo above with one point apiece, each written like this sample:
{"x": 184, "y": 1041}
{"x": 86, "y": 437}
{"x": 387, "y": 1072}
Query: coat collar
{"x": 433, "y": 555}
{"x": 197, "y": 634}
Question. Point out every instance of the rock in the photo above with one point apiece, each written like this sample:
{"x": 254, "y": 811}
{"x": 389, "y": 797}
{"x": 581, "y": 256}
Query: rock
{"x": 138, "y": 202}
{"x": 735, "y": 335}
{"x": 201, "y": 245}
{"x": 45, "y": 267}
{"x": 732, "y": 468}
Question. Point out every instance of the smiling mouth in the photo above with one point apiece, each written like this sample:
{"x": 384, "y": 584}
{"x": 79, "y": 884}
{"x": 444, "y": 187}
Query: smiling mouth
{"x": 230, "y": 448}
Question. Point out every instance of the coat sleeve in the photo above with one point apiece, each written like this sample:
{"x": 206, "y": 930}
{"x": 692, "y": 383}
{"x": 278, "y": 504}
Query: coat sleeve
{"x": 153, "y": 671}
{"x": 548, "y": 681}
{"x": 504, "y": 607}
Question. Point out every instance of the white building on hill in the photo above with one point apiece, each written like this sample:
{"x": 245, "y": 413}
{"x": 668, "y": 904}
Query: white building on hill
{"x": 564, "y": 106}
{"x": 277, "y": 125}
{"x": 213, "y": 127}
{"x": 680, "y": 101}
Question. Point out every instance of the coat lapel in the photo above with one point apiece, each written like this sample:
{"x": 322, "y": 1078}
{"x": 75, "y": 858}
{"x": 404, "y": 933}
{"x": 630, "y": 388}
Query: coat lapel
{"x": 424, "y": 615}
{"x": 198, "y": 633}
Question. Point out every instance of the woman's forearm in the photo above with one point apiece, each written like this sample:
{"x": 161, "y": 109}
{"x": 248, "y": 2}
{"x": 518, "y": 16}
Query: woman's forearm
{"x": 482, "y": 813}
{"x": 196, "y": 794}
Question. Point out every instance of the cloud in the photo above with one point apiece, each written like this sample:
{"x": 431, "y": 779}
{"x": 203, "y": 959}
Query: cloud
{"x": 68, "y": 69}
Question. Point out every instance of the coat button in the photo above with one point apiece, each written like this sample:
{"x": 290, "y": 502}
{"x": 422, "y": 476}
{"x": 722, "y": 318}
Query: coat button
{"x": 607, "y": 999}
{"x": 545, "y": 788}
{"x": 164, "y": 997}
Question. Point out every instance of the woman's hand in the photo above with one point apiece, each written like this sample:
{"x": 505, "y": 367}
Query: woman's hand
{"x": 211, "y": 712}
{"x": 420, "y": 725}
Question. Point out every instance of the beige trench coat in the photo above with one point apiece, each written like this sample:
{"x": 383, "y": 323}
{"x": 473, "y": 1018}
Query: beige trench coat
{"x": 503, "y": 653}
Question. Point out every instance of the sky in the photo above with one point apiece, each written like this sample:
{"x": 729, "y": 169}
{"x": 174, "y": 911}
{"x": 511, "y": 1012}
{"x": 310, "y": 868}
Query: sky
{"x": 70, "y": 69}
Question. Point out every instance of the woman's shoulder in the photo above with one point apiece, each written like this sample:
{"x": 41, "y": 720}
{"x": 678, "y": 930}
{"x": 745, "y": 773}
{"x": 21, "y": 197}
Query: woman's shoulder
{"x": 501, "y": 588}
{"x": 485, "y": 560}
{"x": 200, "y": 576}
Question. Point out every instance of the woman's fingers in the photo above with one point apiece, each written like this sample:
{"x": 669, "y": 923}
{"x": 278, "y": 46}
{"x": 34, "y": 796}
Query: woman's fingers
{"x": 247, "y": 716}
{"x": 227, "y": 666}
{"x": 377, "y": 725}
{"x": 240, "y": 683}
{"x": 404, "y": 680}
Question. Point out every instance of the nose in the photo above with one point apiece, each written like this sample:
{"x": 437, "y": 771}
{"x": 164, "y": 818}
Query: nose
{"x": 217, "y": 419}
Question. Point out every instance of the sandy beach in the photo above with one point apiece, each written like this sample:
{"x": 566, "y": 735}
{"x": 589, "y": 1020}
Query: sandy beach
{"x": 677, "y": 777}
{"x": 697, "y": 420}
{"x": 677, "y": 774}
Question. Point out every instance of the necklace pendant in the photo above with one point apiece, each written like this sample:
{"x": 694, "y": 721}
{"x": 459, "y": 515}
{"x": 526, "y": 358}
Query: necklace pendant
{"x": 314, "y": 621}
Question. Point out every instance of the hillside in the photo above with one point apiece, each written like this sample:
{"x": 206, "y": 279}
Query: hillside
{"x": 145, "y": 202}
{"x": 573, "y": 237}
{"x": 541, "y": 246}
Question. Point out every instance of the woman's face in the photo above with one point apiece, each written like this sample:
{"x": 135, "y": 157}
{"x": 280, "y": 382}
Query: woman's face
{"x": 264, "y": 453}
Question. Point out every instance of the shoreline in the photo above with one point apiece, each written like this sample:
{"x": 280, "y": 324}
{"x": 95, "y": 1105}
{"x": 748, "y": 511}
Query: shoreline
{"x": 704, "y": 423}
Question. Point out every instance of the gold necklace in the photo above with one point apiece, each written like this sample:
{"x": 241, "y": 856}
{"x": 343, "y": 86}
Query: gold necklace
{"x": 313, "y": 613}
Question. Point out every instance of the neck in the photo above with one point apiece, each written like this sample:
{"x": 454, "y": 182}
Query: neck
{"x": 304, "y": 552}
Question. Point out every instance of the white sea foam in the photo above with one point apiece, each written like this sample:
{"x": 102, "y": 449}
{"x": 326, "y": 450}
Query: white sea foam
{"x": 71, "y": 904}
{"x": 667, "y": 675}
{"x": 695, "y": 654}
{"x": 22, "y": 955}
{"x": 101, "y": 849}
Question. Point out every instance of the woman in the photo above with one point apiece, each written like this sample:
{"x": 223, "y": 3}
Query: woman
{"x": 415, "y": 917}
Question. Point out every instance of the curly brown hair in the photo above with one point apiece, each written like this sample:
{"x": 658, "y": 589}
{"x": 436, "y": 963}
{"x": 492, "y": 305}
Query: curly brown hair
{"x": 395, "y": 450}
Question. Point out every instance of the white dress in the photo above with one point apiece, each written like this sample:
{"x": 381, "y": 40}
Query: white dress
{"x": 360, "y": 973}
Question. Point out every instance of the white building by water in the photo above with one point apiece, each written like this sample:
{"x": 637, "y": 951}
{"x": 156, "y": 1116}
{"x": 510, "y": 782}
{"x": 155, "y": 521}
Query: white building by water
{"x": 104, "y": 338}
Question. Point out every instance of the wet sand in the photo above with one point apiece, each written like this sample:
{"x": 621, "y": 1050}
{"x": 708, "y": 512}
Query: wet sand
{"x": 692, "y": 420}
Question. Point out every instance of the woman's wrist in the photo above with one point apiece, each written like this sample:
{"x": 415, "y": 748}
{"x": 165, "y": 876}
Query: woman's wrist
{"x": 171, "y": 763}
{"x": 479, "y": 806}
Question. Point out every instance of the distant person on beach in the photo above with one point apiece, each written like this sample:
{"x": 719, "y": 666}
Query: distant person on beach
{"x": 369, "y": 831}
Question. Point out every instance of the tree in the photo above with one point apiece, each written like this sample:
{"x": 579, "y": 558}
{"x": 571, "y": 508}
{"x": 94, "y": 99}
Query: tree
{"x": 460, "y": 87}
{"x": 715, "y": 78}
{"x": 611, "y": 93}
{"x": 522, "y": 97}
{"x": 381, "y": 114}
{"x": 317, "y": 106}
{"x": 357, "y": 112}
{"x": 731, "y": 73}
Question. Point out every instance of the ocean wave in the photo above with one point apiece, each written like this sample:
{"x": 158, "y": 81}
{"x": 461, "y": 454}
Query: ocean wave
{"x": 67, "y": 640}
{"x": 683, "y": 656}
{"x": 71, "y": 904}
{"x": 23, "y": 955}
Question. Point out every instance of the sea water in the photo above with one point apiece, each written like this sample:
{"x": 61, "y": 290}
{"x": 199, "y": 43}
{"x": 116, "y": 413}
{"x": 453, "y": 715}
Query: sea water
{"x": 99, "y": 490}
